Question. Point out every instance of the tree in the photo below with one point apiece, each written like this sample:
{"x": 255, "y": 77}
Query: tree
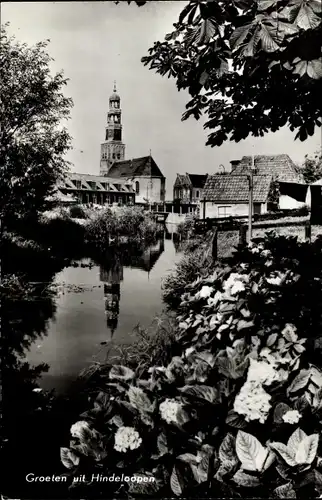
{"x": 312, "y": 168}
{"x": 252, "y": 66}
{"x": 33, "y": 140}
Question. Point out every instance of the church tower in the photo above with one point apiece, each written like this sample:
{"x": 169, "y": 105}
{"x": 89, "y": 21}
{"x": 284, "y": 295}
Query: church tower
{"x": 113, "y": 148}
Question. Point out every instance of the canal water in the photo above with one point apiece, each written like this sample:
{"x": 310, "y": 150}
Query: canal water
{"x": 100, "y": 304}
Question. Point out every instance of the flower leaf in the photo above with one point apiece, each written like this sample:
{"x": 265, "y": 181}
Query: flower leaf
{"x": 284, "y": 491}
{"x": 205, "y": 392}
{"x": 300, "y": 381}
{"x": 284, "y": 452}
{"x": 68, "y": 458}
{"x": 246, "y": 480}
{"x": 250, "y": 451}
{"x": 175, "y": 482}
{"x": 227, "y": 452}
{"x": 235, "y": 420}
{"x": 120, "y": 372}
{"x": 307, "y": 449}
{"x": 139, "y": 399}
{"x": 295, "y": 440}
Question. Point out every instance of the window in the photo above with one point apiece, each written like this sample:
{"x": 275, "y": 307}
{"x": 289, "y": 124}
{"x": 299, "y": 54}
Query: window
{"x": 197, "y": 194}
{"x": 137, "y": 187}
{"x": 113, "y": 156}
{"x": 118, "y": 156}
{"x": 78, "y": 184}
{"x": 106, "y": 135}
{"x": 224, "y": 211}
{"x": 117, "y": 135}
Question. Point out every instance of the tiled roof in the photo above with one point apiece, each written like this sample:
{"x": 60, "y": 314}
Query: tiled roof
{"x": 235, "y": 188}
{"x": 281, "y": 167}
{"x": 190, "y": 180}
{"x": 136, "y": 167}
{"x": 182, "y": 180}
{"x": 198, "y": 180}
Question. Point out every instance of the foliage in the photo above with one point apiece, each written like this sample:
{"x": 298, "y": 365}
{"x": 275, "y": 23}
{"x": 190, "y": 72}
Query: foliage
{"x": 312, "y": 168}
{"x": 108, "y": 225}
{"x": 186, "y": 228}
{"x": 33, "y": 141}
{"x": 237, "y": 412}
{"x": 272, "y": 48}
{"x": 77, "y": 212}
{"x": 195, "y": 263}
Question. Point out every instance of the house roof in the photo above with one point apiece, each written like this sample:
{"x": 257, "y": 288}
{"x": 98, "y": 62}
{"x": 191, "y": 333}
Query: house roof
{"x": 191, "y": 180}
{"x": 281, "y": 167}
{"x": 137, "y": 167}
{"x": 101, "y": 183}
{"x": 235, "y": 188}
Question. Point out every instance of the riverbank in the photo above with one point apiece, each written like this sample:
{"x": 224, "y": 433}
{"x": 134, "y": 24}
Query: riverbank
{"x": 213, "y": 420}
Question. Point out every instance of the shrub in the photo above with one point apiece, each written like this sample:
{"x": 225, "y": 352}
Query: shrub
{"x": 129, "y": 222}
{"x": 77, "y": 212}
{"x": 195, "y": 263}
{"x": 238, "y": 411}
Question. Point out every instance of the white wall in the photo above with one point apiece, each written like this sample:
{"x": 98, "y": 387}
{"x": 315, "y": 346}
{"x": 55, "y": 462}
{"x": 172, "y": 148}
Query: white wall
{"x": 286, "y": 202}
{"x": 150, "y": 189}
{"x": 236, "y": 210}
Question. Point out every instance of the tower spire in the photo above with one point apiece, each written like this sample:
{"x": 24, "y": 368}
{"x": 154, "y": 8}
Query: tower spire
{"x": 114, "y": 89}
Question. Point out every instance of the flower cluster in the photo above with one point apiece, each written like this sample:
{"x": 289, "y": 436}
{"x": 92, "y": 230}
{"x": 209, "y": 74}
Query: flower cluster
{"x": 291, "y": 417}
{"x": 77, "y": 429}
{"x": 169, "y": 410}
{"x": 127, "y": 438}
{"x": 263, "y": 372}
{"x": 253, "y": 402}
{"x": 235, "y": 283}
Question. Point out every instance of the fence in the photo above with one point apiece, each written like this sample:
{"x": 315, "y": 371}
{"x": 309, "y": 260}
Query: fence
{"x": 226, "y": 237}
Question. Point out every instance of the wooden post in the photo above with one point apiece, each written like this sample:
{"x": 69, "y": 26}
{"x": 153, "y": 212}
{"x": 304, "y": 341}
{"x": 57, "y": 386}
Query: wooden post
{"x": 243, "y": 235}
{"x": 214, "y": 249}
{"x": 308, "y": 231}
{"x": 250, "y": 199}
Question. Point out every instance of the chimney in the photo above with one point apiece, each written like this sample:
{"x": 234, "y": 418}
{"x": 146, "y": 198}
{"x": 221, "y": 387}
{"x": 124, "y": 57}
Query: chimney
{"x": 234, "y": 164}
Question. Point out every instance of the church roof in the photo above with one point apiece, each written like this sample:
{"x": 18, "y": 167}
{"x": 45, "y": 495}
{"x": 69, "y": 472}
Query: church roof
{"x": 281, "y": 167}
{"x": 137, "y": 167}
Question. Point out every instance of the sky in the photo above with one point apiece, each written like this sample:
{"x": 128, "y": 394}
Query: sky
{"x": 96, "y": 43}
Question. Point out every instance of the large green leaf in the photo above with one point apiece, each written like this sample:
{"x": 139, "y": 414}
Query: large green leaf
{"x": 284, "y": 452}
{"x": 246, "y": 480}
{"x": 307, "y": 449}
{"x": 205, "y": 392}
{"x": 250, "y": 451}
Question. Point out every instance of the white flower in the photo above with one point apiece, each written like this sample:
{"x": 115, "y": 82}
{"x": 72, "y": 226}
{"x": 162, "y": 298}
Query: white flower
{"x": 205, "y": 292}
{"x": 169, "y": 410}
{"x": 268, "y": 263}
{"x": 127, "y": 438}
{"x": 253, "y": 402}
{"x": 275, "y": 280}
{"x": 78, "y": 428}
{"x": 189, "y": 351}
{"x": 265, "y": 253}
{"x": 238, "y": 286}
{"x": 37, "y": 389}
{"x": 291, "y": 417}
{"x": 255, "y": 250}
{"x": 261, "y": 371}
{"x": 235, "y": 283}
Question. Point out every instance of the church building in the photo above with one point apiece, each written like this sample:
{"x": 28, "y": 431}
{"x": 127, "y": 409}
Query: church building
{"x": 144, "y": 174}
